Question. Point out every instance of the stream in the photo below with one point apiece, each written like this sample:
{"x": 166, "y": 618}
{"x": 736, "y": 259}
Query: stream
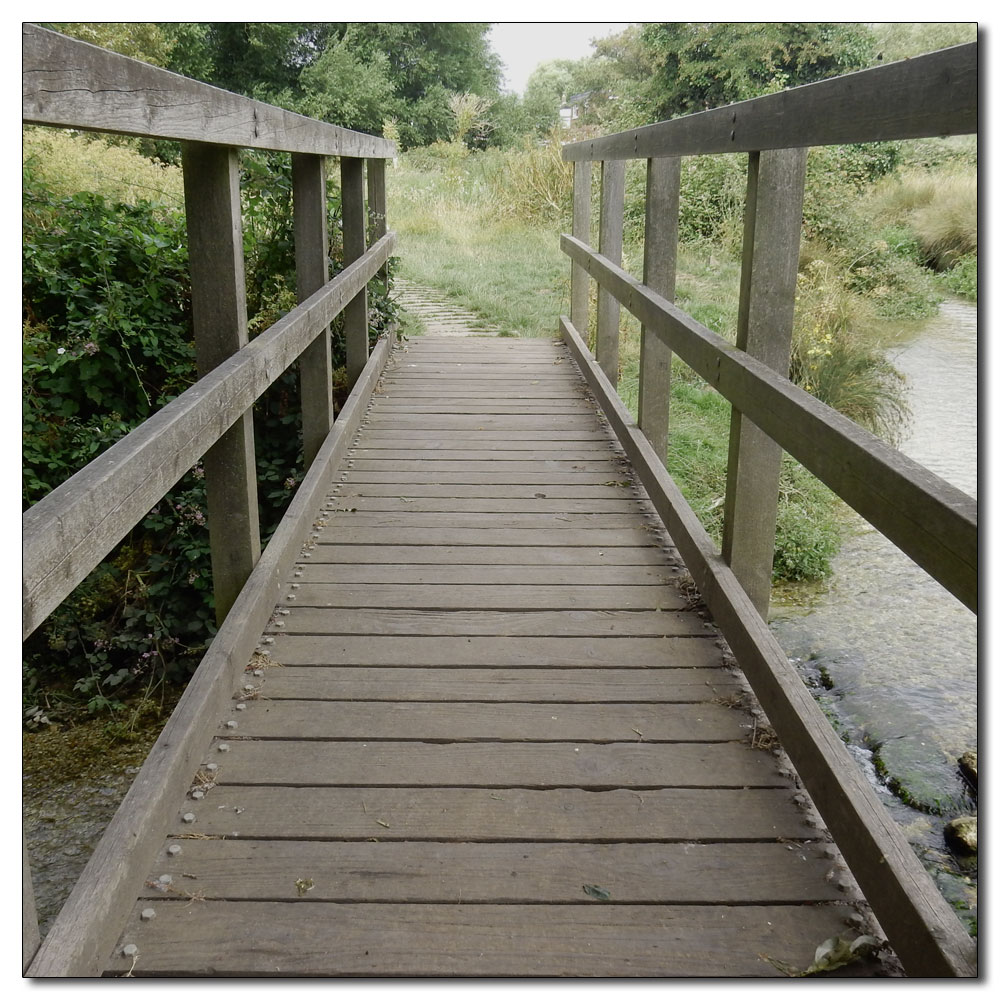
{"x": 890, "y": 654}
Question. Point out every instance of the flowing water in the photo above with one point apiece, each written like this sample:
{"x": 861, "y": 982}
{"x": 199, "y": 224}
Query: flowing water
{"x": 891, "y": 654}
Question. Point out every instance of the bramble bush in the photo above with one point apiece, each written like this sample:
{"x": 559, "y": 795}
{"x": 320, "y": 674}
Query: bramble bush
{"x": 106, "y": 342}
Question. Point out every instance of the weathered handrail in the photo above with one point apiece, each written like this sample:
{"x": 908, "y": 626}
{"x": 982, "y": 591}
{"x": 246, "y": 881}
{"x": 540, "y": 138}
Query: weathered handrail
{"x": 930, "y": 520}
{"x": 68, "y": 83}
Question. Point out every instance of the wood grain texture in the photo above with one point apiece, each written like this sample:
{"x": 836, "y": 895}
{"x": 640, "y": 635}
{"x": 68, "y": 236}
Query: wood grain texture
{"x": 603, "y": 685}
{"x": 71, "y": 84}
{"x": 520, "y": 872}
{"x": 586, "y": 939}
{"x": 933, "y": 94}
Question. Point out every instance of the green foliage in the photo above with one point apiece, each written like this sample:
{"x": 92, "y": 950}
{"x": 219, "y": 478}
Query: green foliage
{"x": 962, "y": 277}
{"x": 107, "y": 341}
{"x": 691, "y": 66}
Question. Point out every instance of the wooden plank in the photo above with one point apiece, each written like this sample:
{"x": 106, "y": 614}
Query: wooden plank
{"x": 386, "y": 621}
{"x": 482, "y": 723}
{"x": 69, "y": 531}
{"x": 492, "y": 765}
{"x": 645, "y": 552}
{"x": 922, "y": 928}
{"x": 483, "y": 651}
{"x": 340, "y": 521}
{"x": 773, "y": 226}
{"x": 539, "y": 406}
{"x": 366, "y": 939}
{"x": 219, "y": 321}
{"x": 377, "y": 210}
{"x": 511, "y": 421}
{"x": 478, "y": 814}
{"x": 343, "y": 491}
{"x": 582, "y": 454}
{"x": 659, "y": 272}
{"x": 934, "y": 523}
{"x": 86, "y": 926}
{"x": 431, "y": 465}
{"x": 70, "y": 84}
{"x": 311, "y": 274}
{"x": 930, "y": 95}
{"x": 541, "y": 480}
{"x": 603, "y": 685}
{"x": 462, "y": 575}
{"x": 479, "y": 435}
{"x": 610, "y": 243}
{"x": 579, "y": 280}
{"x": 483, "y": 536}
{"x": 505, "y": 873}
{"x": 481, "y": 505}
{"x": 353, "y": 219}
{"x": 486, "y": 597}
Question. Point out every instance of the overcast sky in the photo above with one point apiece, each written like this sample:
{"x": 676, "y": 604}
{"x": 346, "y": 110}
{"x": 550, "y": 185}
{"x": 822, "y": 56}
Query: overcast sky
{"x": 523, "y": 45}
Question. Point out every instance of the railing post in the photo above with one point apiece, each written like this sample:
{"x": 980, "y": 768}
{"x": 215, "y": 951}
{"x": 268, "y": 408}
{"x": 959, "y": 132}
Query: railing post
{"x": 311, "y": 274}
{"x": 579, "y": 303}
{"x": 610, "y": 246}
{"x": 771, "y": 234}
{"x": 377, "y": 222}
{"x": 352, "y": 193}
{"x": 659, "y": 272}
{"x": 218, "y": 305}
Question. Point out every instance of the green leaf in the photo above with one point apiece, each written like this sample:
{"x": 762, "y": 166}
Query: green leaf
{"x": 596, "y": 892}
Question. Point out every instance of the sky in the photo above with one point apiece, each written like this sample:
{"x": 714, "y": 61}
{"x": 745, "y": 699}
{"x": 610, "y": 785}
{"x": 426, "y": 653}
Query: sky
{"x": 522, "y": 45}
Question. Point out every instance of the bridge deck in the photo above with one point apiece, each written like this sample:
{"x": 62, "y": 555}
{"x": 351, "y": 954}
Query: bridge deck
{"x": 491, "y": 735}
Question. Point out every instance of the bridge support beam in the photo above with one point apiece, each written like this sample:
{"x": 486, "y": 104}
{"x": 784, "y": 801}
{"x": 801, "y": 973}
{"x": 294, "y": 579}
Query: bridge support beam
{"x": 218, "y": 304}
{"x": 771, "y": 235}
{"x": 352, "y": 192}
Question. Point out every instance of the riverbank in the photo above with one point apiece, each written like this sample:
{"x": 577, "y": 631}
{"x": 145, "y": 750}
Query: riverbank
{"x": 890, "y": 655}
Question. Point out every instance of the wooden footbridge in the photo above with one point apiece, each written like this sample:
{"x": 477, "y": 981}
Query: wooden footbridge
{"x": 479, "y": 707}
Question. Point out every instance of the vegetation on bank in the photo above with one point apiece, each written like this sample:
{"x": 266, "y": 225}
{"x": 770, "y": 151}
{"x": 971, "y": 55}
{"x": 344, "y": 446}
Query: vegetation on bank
{"x": 479, "y": 197}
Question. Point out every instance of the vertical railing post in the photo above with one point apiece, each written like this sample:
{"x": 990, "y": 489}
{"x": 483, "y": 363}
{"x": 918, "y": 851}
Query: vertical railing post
{"x": 771, "y": 235}
{"x": 219, "y": 312}
{"x": 311, "y": 273}
{"x": 352, "y": 193}
{"x": 610, "y": 246}
{"x": 377, "y": 223}
{"x": 579, "y": 301}
{"x": 659, "y": 272}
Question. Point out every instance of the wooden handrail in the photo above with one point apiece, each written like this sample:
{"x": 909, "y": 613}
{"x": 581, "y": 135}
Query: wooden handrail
{"x": 933, "y": 94}
{"x": 72, "y": 84}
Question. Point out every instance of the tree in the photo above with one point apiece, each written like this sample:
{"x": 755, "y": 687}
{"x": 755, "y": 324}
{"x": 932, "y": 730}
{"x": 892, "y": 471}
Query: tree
{"x": 678, "y": 68}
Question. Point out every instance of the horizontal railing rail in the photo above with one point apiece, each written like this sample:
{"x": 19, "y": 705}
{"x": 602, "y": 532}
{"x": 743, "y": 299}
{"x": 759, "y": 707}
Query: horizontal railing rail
{"x": 930, "y": 520}
{"x": 72, "y": 84}
{"x": 68, "y": 83}
{"x": 934, "y": 94}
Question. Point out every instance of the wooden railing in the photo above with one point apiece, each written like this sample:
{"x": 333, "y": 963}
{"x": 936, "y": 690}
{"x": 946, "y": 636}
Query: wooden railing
{"x": 67, "y": 83}
{"x": 931, "y": 521}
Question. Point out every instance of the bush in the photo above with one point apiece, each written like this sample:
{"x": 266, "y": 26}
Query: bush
{"x": 107, "y": 341}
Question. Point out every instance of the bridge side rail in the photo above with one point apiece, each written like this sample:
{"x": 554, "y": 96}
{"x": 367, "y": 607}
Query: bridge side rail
{"x": 71, "y": 84}
{"x": 931, "y": 521}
